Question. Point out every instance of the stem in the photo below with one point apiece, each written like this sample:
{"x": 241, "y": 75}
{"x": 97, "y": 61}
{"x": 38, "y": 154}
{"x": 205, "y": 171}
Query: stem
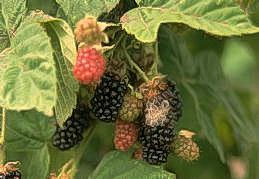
{"x": 131, "y": 62}
{"x": 154, "y": 67}
{"x": 156, "y": 58}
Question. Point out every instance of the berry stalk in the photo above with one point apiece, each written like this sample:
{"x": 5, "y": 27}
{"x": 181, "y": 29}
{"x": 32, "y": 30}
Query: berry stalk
{"x": 132, "y": 63}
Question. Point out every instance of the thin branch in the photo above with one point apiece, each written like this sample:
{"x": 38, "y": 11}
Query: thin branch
{"x": 131, "y": 62}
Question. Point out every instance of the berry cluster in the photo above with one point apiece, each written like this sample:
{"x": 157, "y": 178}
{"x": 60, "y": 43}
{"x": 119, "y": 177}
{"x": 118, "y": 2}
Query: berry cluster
{"x": 149, "y": 118}
{"x": 71, "y": 133}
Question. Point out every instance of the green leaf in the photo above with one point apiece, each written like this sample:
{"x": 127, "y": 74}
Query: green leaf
{"x": 119, "y": 165}
{"x": 11, "y": 14}
{"x": 222, "y": 18}
{"x": 67, "y": 86}
{"x": 63, "y": 43}
{"x": 77, "y": 9}
{"x": 27, "y": 72}
{"x": 26, "y": 137}
{"x": 65, "y": 38}
{"x": 67, "y": 89}
{"x": 34, "y": 164}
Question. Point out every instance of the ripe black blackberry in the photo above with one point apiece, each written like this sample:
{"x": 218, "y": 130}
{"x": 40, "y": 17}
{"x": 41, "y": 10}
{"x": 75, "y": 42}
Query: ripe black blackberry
{"x": 157, "y": 136}
{"x": 71, "y": 133}
{"x": 13, "y": 175}
{"x": 155, "y": 156}
{"x": 174, "y": 98}
{"x": 108, "y": 97}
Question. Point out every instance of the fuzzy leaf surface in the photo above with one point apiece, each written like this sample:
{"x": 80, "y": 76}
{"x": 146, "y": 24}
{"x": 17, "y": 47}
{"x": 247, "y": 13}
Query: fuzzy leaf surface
{"x": 27, "y": 72}
{"x": 62, "y": 40}
{"x": 222, "y": 18}
{"x": 11, "y": 14}
{"x": 76, "y": 9}
{"x": 26, "y": 137}
{"x": 119, "y": 165}
{"x": 64, "y": 53}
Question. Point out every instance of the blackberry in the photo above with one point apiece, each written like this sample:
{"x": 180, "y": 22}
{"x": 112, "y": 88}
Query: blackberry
{"x": 13, "y": 175}
{"x": 71, "y": 133}
{"x": 131, "y": 108}
{"x": 163, "y": 107}
{"x": 174, "y": 98}
{"x": 109, "y": 97}
{"x": 89, "y": 31}
{"x": 155, "y": 156}
{"x": 158, "y": 136}
{"x": 126, "y": 134}
{"x": 184, "y": 146}
{"x": 90, "y": 65}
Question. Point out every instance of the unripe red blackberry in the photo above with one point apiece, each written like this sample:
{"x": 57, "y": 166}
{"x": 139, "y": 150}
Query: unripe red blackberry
{"x": 90, "y": 65}
{"x": 126, "y": 134}
{"x": 131, "y": 108}
{"x": 71, "y": 133}
{"x": 108, "y": 97}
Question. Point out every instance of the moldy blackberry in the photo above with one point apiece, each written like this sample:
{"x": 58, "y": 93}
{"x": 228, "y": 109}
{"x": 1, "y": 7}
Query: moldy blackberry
{"x": 163, "y": 104}
{"x": 109, "y": 97}
{"x": 162, "y": 110}
{"x": 71, "y": 133}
